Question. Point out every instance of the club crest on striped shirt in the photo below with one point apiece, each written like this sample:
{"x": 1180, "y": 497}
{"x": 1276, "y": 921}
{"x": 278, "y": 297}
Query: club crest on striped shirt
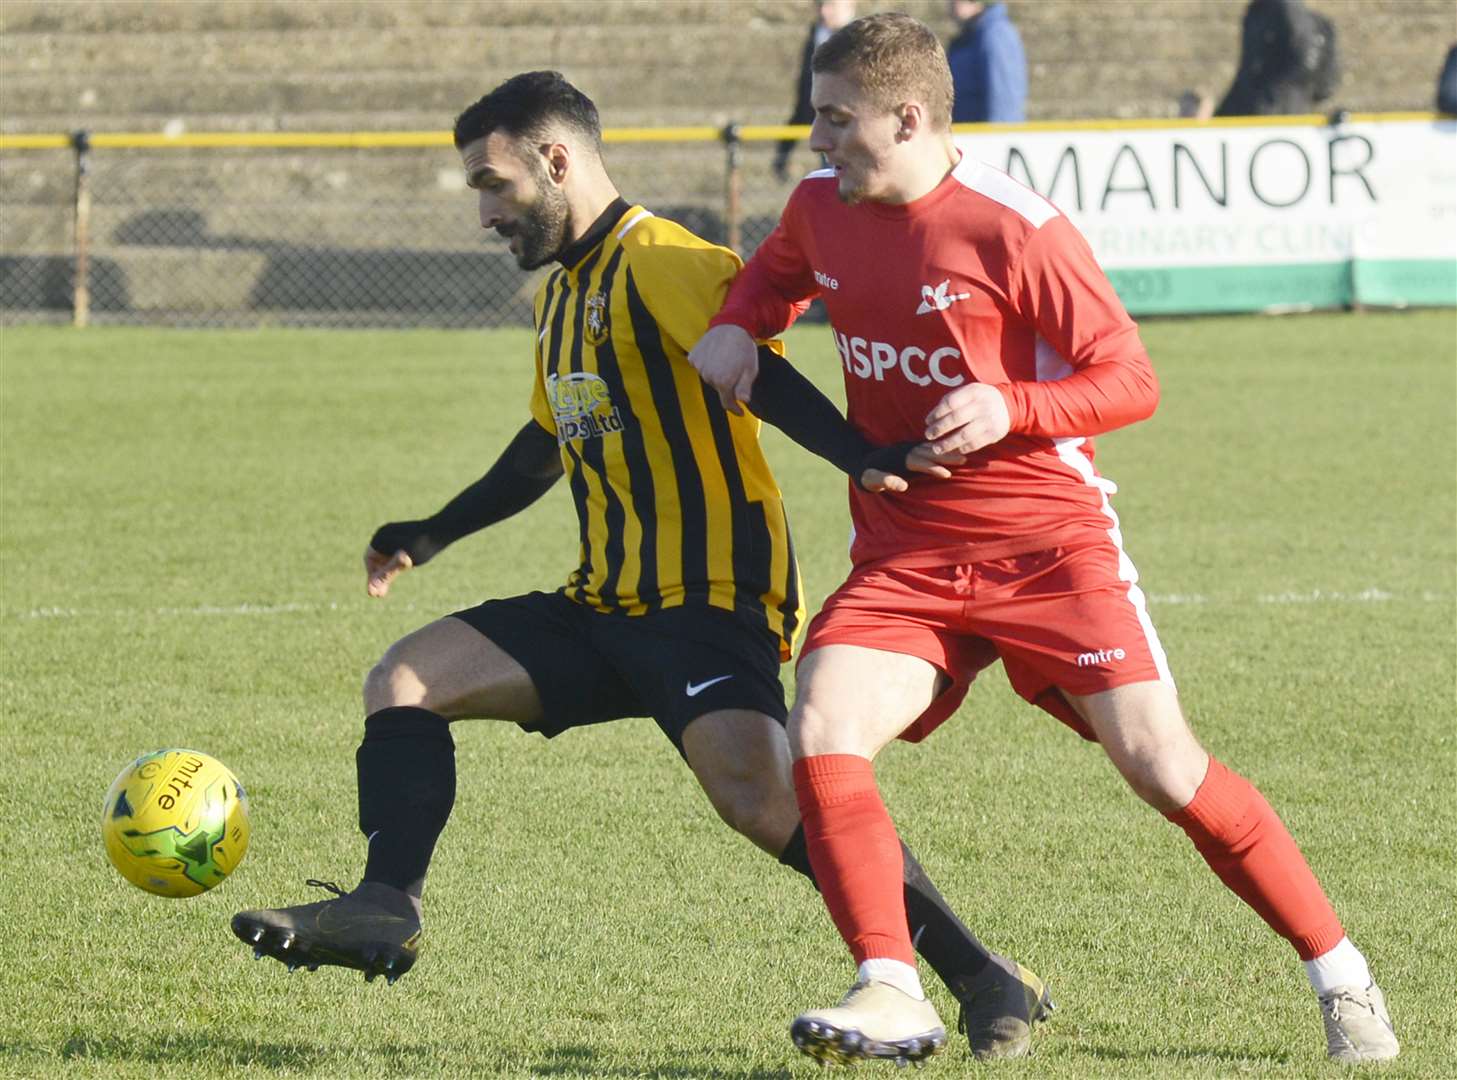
{"x": 596, "y": 330}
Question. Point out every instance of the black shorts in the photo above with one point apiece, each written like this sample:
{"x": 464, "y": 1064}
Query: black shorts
{"x": 673, "y": 665}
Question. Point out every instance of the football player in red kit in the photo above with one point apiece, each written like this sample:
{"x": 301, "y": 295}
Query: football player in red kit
{"x": 969, "y": 311}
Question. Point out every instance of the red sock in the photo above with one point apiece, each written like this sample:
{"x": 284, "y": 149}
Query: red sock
{"x": 1244, "y": 841}
{"x": 855, "y": 853}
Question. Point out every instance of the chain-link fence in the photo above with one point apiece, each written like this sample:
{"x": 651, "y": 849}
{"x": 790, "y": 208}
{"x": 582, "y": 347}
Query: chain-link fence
{"x": 374, "y": 230}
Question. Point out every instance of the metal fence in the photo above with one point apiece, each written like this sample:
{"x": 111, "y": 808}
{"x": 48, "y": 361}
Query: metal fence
{"x": 317, "y": 230}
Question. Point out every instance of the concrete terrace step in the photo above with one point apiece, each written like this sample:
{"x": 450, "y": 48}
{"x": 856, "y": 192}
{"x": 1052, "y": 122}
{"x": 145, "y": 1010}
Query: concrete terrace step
{"x": 360, "y": 49}
{"x": 41, "y": 177}
{"x": 755, "y": 45}
{"x": 258, "y": 175}
{"x": 442, "y": 92}
{"x": 214, "y": 64}
{"x": 284, "y": 284}
{"x": 66, "y": 120}
{"x": 334, "y": 219}
{"x": 246, "y": 176}
{"x": 131, "y": 226}
{"x": 36, "y": 229}
{"x": 135, "y": 16}
{"x": 429, "y": 101}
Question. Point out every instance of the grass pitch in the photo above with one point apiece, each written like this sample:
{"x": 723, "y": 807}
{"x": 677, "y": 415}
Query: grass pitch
{"x": 181, "y": 524}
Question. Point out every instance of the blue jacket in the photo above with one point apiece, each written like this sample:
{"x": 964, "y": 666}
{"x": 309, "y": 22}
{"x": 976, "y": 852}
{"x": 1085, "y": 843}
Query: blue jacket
{"x": 988, "y": 69}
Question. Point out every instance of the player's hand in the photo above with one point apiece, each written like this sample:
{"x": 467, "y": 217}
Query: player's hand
{"x": 727, "y": 359}
{"x": 885, "y": 468}
{"x": 968, "y": 418}
{"x": 395, "y": 548}
{"x": 924, "y": 459}
{"x": 381, "y": 569}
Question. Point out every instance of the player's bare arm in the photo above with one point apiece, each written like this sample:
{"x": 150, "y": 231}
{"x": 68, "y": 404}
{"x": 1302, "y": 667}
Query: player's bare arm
{"x": 524, "y": 472}
{"x": 727, "y": 359}
{"x": 967, "y": 419}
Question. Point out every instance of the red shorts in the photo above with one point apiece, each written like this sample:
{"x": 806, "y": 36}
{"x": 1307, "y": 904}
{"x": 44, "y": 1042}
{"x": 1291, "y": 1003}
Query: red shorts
{"x": 1068, "y": 619}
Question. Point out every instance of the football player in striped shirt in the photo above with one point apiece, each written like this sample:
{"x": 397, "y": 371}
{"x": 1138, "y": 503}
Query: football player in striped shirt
{"x": 969, "y": 311}
{"x": 686, "y": 598}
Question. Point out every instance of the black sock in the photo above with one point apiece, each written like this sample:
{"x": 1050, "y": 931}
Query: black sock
{"x": 940, "y": 937}
{"x": 406, "y": 767}
{"x": 796, "y": 855}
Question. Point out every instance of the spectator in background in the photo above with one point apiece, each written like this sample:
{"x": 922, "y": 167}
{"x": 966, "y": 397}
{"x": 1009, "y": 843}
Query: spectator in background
{"x": 988, "y": 66}
{"x": 830, "y": 15}
{"x": 1195, "y": 105}
{"x": 1447, "y": 84}
{"x": 1288, "y": 61}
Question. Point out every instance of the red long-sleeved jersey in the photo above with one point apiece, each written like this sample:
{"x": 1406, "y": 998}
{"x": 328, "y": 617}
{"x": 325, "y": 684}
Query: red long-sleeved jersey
{"x": 983, "y": 280}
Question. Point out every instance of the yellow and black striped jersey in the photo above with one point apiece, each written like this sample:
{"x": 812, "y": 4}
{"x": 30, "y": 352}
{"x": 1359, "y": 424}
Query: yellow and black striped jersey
{"x": 675, "y": 501}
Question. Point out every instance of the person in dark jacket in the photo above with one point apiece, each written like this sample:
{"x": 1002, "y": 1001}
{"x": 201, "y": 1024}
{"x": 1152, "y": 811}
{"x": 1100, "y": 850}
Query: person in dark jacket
{"x": 830, "y": 15}
{"x": 988, "y": 65}
{"x": 1288, "y": 61}
{"x": 1447, "y": 84}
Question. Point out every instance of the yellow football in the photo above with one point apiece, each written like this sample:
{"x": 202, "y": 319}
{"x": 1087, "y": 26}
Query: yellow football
{"x": 175, "y": 822}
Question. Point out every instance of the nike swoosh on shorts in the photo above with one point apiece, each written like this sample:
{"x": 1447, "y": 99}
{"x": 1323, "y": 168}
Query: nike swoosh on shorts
{"x": 694, "y": 689}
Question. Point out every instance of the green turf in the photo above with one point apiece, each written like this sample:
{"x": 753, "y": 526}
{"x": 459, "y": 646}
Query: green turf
{"x": 181, "y": 525}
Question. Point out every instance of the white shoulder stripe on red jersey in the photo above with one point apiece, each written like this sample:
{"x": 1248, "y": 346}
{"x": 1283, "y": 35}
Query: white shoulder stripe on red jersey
{"x": 1001, "y": 188}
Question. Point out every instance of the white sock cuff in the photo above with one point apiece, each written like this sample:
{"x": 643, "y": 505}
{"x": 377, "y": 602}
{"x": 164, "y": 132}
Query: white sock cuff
{"x": 1341, "y": 965}
{"x": 895, "y": 972}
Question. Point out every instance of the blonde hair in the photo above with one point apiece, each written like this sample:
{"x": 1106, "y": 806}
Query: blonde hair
{"x": 893, "y": 58}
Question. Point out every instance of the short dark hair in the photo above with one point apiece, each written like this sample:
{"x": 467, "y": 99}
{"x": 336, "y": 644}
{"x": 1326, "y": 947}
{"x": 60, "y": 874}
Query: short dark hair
{"x": 528, "y": 105}
{"x": 892, "y": 58}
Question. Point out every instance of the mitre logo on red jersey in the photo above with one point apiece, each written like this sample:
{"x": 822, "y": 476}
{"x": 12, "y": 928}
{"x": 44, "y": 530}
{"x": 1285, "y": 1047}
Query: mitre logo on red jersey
{"x": 875, "y": 359}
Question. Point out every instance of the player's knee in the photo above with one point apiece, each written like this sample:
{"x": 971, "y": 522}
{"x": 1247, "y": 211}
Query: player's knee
{"x": 766, "y": 824}
{"x": 812, "y": 732}
{"x": 753, "y": 806}
{"x": 392, "y": 682}
{"x": 1156, "y": 752}
{"x": 1166, "y": 777}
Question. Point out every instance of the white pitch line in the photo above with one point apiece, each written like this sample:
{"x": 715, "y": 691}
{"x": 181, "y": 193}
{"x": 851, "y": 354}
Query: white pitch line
{"x": 1320, "y": 596}
{"x": 246, "y": 609}
{"x": 1313, "y": 596}
{"x": 227, "y": 611}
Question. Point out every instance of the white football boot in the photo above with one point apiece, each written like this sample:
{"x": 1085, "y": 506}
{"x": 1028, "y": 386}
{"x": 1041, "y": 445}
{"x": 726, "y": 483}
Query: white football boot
{"x": 1357, "y": 1026}
{"x": 875, "y": 1020}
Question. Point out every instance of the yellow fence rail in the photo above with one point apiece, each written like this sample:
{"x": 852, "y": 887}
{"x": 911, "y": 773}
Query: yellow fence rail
{"x": 137, "y": 140}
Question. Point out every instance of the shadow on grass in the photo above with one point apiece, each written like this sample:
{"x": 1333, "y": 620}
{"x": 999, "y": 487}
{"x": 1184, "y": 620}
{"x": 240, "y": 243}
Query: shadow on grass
{"x": 222, "y": 1052}
{"x": 581, "y": 1060}
{"x": 1231, "y": 1055}
{"x": 219, "y": 1049}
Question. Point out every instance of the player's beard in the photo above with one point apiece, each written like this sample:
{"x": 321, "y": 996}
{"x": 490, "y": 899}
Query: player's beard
{"x": 542, "y": 229}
